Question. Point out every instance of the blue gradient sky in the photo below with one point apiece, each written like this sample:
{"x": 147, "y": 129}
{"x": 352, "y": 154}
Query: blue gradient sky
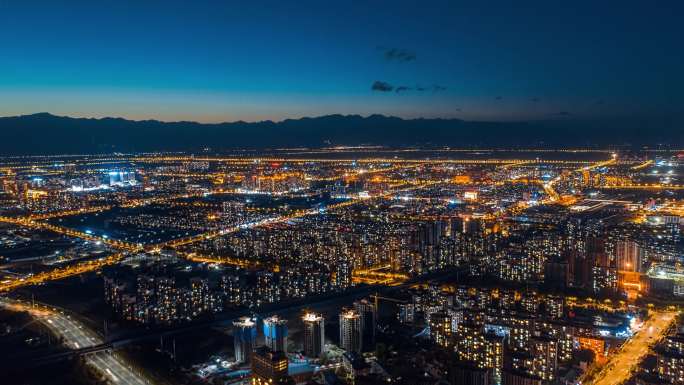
{"x": 223, "y": 60}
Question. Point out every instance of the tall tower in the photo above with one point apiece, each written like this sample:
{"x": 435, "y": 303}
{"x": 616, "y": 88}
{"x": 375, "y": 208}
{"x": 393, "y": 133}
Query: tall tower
{"x": 275, "y": 333}
{"x": 244, "y": 335}
{"x": 369, "y": 314}
{"x": 351, "y": 335}
{"x": 314, "y": 334}
{"x": 629, "y": 255}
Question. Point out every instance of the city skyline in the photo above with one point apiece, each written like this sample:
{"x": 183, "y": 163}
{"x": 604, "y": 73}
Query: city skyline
{"x": 360, "y": 265}
{"x": 341, "y": 193}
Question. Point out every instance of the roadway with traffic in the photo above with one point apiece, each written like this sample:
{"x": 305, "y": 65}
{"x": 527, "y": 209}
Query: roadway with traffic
{"x": 621, "y": 365}
{"x": 76, "y": 336}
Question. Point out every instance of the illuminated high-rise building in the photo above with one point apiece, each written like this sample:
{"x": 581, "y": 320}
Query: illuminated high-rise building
{"x": 351, "y": 333}
{"x": 369, "y": 313}
{"x": 545, "y": 362}
{"x": 314, "y": 335}
{"x": 539, "y": 361}
{"x": 670, "y": 355}
{"x": 275, "y": 334}
{"x": 244, "y": 335}
{"x": 343, "y": 274}
{"x": 493, "y": 357}
{"x": 629, "y": 255}
{"x": 440, "y": 328}
{"x": 167, "y": 300}
{"x": 121, "y": 178}
{"x": 200, "y": 295}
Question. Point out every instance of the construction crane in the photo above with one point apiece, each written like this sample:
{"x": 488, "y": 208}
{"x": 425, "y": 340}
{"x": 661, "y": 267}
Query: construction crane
{"x": 377, "y": 297}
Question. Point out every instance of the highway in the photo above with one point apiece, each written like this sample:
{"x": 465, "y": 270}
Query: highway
{"x": 76, "y": 336}
{"x": 644, "y": 186}
{"x": 609, "y": 162}
{"x": 61, "y": 272}
{"x": 619, "y": 368}
{"x": 393, "y": 161}
{"x": 642, "y": 165}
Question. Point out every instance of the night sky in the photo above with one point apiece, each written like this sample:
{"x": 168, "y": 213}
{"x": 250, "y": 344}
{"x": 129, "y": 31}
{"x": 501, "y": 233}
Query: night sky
{"x": 223, "y": 61}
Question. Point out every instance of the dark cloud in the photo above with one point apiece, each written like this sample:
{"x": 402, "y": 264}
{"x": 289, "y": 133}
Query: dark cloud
{"x": 562, "y": 113}
{"x": 534, "y": 100}
{"x": 499, "y": 98}
{"x": 381, "y": 86}
{"x": 398, "y": 54}
{"x": 600, "y": 102}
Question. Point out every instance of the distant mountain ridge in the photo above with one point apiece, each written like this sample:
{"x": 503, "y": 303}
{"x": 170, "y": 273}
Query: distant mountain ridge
{"x": 44, "y": 133}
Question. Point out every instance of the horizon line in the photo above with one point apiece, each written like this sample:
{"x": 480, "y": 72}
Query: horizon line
{"x": 274, "y": 121}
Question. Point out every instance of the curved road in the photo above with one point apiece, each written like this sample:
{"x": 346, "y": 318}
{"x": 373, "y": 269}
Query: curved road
{"x": 77, "y": 336}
